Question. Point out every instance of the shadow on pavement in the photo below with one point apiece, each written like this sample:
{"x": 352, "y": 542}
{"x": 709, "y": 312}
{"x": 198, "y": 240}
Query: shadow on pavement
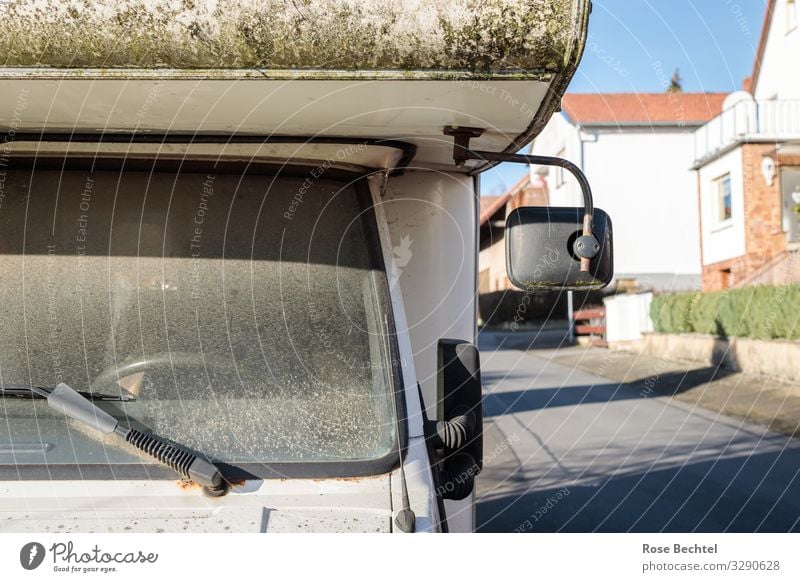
{"x": 737, "y": 494}
{"x": 545, "y": 339}
{"x": 669, "y": 384}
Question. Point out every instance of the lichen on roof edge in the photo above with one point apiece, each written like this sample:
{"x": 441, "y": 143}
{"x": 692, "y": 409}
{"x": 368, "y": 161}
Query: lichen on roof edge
{"x": 476, "y": 36}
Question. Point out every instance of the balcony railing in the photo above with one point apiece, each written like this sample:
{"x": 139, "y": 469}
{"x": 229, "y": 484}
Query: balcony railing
{"x": 748, "y": 120}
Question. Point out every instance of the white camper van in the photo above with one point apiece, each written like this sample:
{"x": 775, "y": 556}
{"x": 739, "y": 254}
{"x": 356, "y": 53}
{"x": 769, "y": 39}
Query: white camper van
{"x": 238, "y": 246}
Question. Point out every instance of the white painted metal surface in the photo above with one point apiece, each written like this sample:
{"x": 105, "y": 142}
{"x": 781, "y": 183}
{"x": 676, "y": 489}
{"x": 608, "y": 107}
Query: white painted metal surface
{"x": 416, "y": 465}
{"x": 272, "y": 505}
{"x": 432, "y": 223}
{"x": 411, "y": 111}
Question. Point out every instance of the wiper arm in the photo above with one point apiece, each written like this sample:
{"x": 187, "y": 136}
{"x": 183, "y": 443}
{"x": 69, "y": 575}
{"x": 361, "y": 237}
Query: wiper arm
{"x": 27, "y": 391}
{"x": 180, "y": 459}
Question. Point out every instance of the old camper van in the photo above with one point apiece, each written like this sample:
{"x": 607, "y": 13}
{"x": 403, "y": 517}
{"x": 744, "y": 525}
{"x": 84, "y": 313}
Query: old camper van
{"x": 238, "y": 246}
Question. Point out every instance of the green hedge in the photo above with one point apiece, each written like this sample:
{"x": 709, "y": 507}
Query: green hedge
{"x": 756, "y": 312}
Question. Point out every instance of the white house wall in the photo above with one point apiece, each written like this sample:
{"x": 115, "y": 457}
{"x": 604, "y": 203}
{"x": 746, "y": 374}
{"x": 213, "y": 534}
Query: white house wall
{"x": 560, "y": 136}
{"x": 722, "y": 241}
{"x": 642, "y": 179}
{"x": 778, "y": 76}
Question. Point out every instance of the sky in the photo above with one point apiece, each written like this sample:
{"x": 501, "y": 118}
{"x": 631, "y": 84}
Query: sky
{"x": 636, "y": 45}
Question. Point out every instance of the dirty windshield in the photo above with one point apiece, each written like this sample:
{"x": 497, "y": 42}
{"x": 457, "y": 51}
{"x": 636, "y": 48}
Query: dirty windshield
{"x": 243, "y": 312}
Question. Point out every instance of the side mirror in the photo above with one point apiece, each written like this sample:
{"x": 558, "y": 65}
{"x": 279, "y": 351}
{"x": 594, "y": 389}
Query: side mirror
{"x": 543, "y": 244}
{"x": 549, "y": 248}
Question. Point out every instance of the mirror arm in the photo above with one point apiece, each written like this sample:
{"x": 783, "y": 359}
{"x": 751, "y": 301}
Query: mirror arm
{"x": 586, "y": 246}
{"x": 452, "y": 434}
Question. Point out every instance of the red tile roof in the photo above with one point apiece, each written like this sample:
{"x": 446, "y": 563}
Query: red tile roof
{"x": 642, "y": 108}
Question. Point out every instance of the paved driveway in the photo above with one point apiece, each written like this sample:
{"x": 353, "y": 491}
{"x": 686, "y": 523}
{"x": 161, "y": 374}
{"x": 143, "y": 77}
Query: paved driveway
{"x": 566, "y": 450}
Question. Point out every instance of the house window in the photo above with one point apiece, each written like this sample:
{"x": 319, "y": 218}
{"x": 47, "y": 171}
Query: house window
{"x": 791, "y": 15}
{"x": 559, "y": 170}
{"x": 724, "y": 199}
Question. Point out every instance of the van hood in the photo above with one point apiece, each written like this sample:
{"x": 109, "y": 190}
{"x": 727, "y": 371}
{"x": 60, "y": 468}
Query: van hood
{"x": 305, "y": 505}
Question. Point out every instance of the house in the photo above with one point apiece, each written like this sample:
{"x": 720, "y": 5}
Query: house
{"x": 529, "y": 191}
{"x": 747, "y": 162}
{"x": 636, "y": 150}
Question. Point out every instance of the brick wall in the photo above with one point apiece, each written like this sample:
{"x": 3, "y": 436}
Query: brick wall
{"x": 718, "y": 276}
{"x": 765, "y": 241}
{"x": 764, "y": 236}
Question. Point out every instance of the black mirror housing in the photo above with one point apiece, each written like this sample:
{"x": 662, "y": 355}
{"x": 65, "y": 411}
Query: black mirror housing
{"x": 540, "y": 249}
{"x": 458, "y": 434}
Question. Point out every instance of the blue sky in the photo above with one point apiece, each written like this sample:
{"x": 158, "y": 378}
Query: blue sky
{"x": 636, "y": 45}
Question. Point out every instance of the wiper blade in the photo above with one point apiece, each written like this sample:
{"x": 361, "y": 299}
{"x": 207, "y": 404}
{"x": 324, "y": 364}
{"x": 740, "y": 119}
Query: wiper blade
{"x": 179, "y": 458}
{"x": 27, "y": 391}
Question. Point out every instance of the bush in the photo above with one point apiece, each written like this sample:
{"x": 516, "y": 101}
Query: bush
{"x": 704, "y": 315}
{"x": 756, "y": 312}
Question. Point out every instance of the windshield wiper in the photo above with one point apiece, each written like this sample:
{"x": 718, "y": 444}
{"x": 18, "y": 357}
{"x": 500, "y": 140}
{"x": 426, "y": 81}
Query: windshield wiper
{"x": 180, "y": 459}
{"x": 28, "y": 391}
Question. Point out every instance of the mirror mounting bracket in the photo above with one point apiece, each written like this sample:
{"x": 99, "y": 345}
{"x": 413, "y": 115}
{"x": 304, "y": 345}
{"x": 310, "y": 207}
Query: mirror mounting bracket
{"x": 586, "y": 246}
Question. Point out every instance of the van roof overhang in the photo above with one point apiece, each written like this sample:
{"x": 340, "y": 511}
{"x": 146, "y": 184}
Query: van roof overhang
{"x": 510, "y": 91}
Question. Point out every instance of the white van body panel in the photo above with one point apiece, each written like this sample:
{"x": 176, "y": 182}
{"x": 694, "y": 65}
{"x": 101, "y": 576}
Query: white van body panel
{"x": 417, "y": 465}
{"x": 416, "y": 111}
{"x": 272, "y": 505}
{"x": 428, "y": 212}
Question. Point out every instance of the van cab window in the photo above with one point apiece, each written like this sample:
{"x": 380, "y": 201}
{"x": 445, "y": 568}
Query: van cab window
{"x": 239, "y": 314}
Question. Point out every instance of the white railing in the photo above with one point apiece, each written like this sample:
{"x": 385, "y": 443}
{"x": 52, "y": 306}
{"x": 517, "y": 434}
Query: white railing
{"x": 779, "y": 120}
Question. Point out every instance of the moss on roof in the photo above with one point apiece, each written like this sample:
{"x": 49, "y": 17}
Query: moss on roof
{"x": 466, "y": 35}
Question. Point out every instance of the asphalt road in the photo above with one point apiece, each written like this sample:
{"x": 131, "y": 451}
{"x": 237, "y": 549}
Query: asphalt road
{"x": 566, "y": 450}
